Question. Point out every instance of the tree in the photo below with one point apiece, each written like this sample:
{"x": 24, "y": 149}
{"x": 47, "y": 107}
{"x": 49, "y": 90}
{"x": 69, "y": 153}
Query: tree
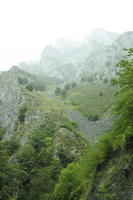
{"x": 29, "y": 87}
{"x": 22, "y": 112}
{"x": 105, "y": 80}
{"x": 67, "y": 86}
{"x": 73, "y": 84}
{"x": 125, "y": 94}
{"x": 8, "y": 182}
{"x": 57, "y": 91}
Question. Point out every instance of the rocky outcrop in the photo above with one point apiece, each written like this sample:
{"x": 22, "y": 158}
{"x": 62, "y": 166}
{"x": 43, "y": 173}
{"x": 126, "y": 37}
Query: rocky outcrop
{"x": 97, "y": 54}
{"x": 11, "y": 99}
{"x": 65, "y": 140}
{"x": 39, "y": 111}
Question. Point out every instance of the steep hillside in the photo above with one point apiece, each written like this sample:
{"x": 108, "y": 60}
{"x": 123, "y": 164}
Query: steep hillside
{"x": 59, "y": 139}
{"x": 25, "y": 109}
{"x": 106, "y": 171}
{"x": 35, "y": 135}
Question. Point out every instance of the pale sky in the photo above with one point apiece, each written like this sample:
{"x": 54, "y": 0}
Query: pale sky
{"x": 27, "y": 26}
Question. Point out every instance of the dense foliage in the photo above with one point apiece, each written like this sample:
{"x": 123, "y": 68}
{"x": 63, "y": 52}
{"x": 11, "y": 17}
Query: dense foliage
{"x": 105, "y": 172}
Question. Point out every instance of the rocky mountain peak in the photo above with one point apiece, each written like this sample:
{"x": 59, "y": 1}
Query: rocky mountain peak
{"x": 125, "y": 40}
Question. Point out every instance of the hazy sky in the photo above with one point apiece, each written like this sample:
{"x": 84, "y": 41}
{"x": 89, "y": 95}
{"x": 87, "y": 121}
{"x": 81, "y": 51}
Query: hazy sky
{"x": 27, "y": 26}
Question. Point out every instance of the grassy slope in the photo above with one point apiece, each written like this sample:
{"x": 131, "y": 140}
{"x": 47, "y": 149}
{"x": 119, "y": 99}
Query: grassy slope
{"x": 91, "y": 99}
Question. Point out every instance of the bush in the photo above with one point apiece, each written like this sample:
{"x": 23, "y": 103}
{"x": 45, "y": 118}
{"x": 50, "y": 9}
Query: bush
{"x": 105, "y": 80}
{"x": 0, "y": 102}
{"x": 22, "y": 112}
{"x": 90, "y": 79}
{"x": 70, "y": 125}
{"x": 101, "y": 94}
{"x": 22, "y": 81}
{"x": 12, "y": 146}
{"x": 73, "y": 84}
{"x": 30, "y": 87}
{"x": 57, "y": 91}
{"x": 40, "y": 87}
{"x": 2, "y": 132}
{"x": 93, "y": 117}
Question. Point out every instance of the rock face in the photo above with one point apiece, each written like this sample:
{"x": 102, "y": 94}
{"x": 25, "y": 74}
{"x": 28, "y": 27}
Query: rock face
{"x": 66, "y": 140}
{"x": 11, "y": 99}
{"x": 98, "y": 53}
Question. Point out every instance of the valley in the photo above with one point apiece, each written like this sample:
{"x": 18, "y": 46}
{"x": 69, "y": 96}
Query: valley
{"x": 66, "y": 122}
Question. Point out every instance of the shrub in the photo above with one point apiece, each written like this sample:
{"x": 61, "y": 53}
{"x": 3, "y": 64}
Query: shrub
{"x": 105, "y": 80}
{"x": 0, "y": 102}
{"x": 30, "y": 87}
{"x": 67, "y": 86}
{"x": 70, "y": 125}
{"x": 63, "y": 93}
{"x": 57, "y": 91}
{"x": 73, "y": 84}
{"x": 90, "y": 79}
{"x": 101, "y": 94}
{"x": 22, "y": 112}
{"x": 2, "y": 132}
{"x": 93, "y": 117}
{"x": 40, "y": 87}
{"x": 22, "y": 81}
{"x": 12, "y": 146}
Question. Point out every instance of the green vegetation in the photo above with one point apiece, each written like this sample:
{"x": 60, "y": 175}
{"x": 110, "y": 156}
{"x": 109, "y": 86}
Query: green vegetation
{"x": 87, "y": 77}
{"x": 34, "y": 167}
{"x": 8, "y": 182}
{"x": 91, "y": 100}
{"x": 0, "y": 102}
{"x": 52, "y": 164}
{"x": 2, "y": 132}
{"x": 22, "y": 80}
{"x": 30, "y": 87}
{"x": 32, "y": 82}
{"x": 106, "y": 171}
{"x": 106, "y": 81}
{"x": 22, "y": 112}
{"x": 58, "y": 91}
{"x": 63, "y": 92}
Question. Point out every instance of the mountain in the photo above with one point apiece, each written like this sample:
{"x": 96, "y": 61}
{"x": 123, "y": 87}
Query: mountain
{"x": 98, "y": 53}
{"x": 66, "y": 129}
{"x": 25, "y": 110}
{"x": 102, "y": 36}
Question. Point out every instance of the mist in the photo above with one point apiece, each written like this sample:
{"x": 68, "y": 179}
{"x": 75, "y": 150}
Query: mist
{"x": 28, "y": 26}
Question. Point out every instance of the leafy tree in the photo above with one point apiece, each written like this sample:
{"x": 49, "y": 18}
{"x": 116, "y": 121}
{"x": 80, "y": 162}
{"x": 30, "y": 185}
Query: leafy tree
{"x": 8, "y": 182}
{"x": 57, "y": 91}
{"x": 67, "y": 86}
{"x": 42, "y": 184}
{"x": 73, "y": 84}
{"x": 63, "y": 92}
{"x": 68, "y": 186}
{"x": 105, "y": 80}
{"x": 12, "y": 146}
{"x": 124, "y": 79}
{"x": 22, "y": 80}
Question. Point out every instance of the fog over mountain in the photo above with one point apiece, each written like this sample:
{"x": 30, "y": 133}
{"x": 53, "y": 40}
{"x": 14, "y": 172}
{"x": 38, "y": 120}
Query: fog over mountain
{"x": 97, "y": 53}
{"x": 29, "y": 26}
{"x": 66, "y": 100}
